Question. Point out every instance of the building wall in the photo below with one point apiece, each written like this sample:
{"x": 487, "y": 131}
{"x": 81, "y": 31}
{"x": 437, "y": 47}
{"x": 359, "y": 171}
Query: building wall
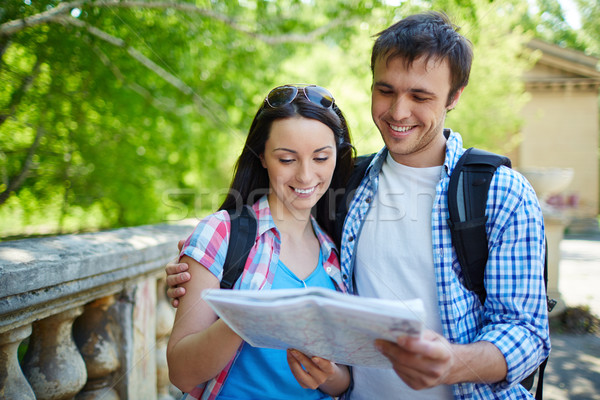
{"x": 561, "y": 130}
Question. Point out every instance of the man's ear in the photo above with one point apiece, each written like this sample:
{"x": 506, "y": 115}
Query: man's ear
{"x": 454, "y": 101}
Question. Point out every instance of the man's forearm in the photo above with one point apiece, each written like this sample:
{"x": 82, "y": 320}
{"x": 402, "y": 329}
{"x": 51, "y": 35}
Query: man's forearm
{"x": 478, "y": 362}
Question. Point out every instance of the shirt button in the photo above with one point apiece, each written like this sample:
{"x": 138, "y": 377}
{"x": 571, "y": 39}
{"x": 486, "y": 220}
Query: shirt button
{"x": 328, "y": 269}
{"x": 351, "y": 239}
{"x": 345, "y": 277}
{"x": 368, "y": 200}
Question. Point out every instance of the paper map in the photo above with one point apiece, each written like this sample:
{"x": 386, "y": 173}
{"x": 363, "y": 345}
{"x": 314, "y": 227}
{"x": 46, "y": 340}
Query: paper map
{"x": 318, "y": 322}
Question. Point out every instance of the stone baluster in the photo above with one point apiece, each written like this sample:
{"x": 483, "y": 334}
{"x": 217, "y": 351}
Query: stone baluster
{"x": 13, "y": 384}
{"x": 93, "y": 333}
{"x": 164, "y": 323}
{"x": 52, "y": 364}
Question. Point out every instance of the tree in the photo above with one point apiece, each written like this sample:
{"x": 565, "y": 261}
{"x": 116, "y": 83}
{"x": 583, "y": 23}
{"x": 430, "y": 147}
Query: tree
{"x": 548, "y": 22}
{"x": 118, "y": 106}
{"x": 117, "y": 113}
{"x": 590, "y": 29}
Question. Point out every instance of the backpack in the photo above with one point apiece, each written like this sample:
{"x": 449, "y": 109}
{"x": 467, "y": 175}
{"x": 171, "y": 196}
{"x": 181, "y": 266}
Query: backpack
{"x": 467, "y": 198}
{"x": 241, "y": 239}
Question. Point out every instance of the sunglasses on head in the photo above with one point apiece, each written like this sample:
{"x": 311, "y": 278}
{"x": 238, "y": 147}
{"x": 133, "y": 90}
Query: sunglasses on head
{"x": 285, "y": 94}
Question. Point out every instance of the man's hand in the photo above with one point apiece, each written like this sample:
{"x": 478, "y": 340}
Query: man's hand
{"x": 431, "y": 361}
{"x": 176, "y": 275}
{"x": 421, "y": 363}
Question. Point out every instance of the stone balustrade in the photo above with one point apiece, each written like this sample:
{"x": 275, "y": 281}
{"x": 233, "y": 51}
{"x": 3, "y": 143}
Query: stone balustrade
{"x": 92, "y": 313}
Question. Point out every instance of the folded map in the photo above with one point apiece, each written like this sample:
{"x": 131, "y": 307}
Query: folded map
{"x": 318, "y": 322}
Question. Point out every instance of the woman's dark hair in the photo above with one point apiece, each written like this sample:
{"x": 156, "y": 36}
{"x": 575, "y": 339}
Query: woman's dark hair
{"x": 251, "y": 180}
{"x": 431, "y": 35}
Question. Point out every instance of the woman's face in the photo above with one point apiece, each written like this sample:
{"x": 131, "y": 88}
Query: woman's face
{"x": 300, "y": 157}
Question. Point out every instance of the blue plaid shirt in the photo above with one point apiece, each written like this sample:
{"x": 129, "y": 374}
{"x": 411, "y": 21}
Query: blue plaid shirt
{"x": 515, "y": 316}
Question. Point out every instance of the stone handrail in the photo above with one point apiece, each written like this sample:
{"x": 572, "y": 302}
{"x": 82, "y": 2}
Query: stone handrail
{"x": 92, "y": 311}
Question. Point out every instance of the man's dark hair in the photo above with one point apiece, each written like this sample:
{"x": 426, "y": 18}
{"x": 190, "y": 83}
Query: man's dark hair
{"x": 431, "y": 35}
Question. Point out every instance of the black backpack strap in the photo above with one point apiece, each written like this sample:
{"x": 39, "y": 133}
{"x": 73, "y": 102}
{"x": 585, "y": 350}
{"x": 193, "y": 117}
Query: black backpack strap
{"x": 241, "y": 239}
{"x": 550, "y": 302}
{"x": 361, "y": 164}
{"x": 527, "y": 383}
{"x": 539, "y": 392}
{"x": 467, "y": 198}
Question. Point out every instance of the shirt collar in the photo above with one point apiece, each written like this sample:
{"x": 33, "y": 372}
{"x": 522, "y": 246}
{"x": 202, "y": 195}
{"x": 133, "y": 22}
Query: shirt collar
{"x": 266, "y": 223}
{"x": 377, "y": 163}
{"x": 263, "y": 215}
{"x": 454, "y": 146}
{"x": 327, "y": 245}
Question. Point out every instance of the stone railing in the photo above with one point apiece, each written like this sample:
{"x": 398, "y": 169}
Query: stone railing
{"x": 91, "y": 311}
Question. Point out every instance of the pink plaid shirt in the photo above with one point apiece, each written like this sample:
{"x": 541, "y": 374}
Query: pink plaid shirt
{"x": 208, "y": 245}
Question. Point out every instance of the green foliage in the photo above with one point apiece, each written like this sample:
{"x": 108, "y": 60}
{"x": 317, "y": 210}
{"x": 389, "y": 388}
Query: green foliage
{"x": 113, "y": 114}
{"x": 136, "y": 114}
{"x": 548, "y": 22}
{"x": 590, "y": 29}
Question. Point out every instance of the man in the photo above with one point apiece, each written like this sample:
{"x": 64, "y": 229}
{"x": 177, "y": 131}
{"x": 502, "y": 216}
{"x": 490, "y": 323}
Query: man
{"x": 396, "y": 242}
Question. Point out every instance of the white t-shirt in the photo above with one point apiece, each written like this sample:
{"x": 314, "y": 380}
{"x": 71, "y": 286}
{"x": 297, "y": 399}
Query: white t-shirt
{"x": 394, "y": 260}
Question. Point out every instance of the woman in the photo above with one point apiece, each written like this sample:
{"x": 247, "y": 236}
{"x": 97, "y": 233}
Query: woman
{"x": 297, "y": 153}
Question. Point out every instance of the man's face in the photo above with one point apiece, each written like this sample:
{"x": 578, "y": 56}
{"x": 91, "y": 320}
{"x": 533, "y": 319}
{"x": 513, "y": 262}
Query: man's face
{"x": 409, "y": 107}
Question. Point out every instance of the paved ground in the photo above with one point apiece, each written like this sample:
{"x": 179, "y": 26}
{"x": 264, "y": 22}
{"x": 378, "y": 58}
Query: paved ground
{"x": 573, "y": 372}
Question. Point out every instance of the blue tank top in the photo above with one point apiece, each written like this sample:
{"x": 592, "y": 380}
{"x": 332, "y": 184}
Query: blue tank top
{"x": 264, "y": 374}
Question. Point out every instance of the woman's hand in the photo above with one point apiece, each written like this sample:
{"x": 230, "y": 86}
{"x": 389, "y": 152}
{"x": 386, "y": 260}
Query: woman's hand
{"x": 318, "y": 373}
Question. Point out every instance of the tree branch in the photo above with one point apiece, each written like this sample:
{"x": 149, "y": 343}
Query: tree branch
{"x": 15, "y": 183}
{"x": 4, "y": 43}
{"x": 146, "y": 62}
{"x": 18, "y": 94}
{"x": 191, "y": 8}
{"x": 11, "y": 27}
{"x": 142, "y": 91}
{"x": 14, "y": 26}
